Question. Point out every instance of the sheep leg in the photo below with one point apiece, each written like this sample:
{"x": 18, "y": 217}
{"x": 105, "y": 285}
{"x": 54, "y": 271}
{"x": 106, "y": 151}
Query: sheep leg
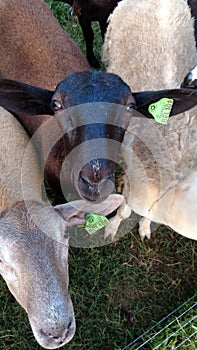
{"x": 123, "y": 213}
{"x": 103, "y": 27}
{"x": 89, "y": 39}
{"x": 144, "y": 228}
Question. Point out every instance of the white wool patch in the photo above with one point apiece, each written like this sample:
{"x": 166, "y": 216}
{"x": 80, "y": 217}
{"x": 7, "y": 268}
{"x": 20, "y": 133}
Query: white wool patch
{"x": 154, "y": 48}
{"x": 165, "y": 10}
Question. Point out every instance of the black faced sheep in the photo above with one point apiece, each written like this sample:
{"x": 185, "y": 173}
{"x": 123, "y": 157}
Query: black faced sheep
{"x": 80, "y": 145}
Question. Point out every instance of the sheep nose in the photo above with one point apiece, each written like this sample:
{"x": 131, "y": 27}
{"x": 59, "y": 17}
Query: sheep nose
{"x": 95, "y": 191}
{"x": 96, "y": 179}
{"x": 58, "y": 338}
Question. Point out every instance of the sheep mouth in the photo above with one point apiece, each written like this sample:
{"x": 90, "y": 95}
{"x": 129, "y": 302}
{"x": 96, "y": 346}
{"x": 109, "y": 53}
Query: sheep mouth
{"x": 96, "y": 193}
{"x": 49, "y": 341}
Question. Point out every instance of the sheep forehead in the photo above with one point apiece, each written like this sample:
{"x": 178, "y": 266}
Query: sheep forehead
{"x": 96, "y": 164}
{"x": 93, "y": 87}
{"x": 31, "y": 222}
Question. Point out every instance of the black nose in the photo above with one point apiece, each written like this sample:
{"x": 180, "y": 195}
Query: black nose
{"x": 95, "y": 191}
{"x": 96, "y": 180}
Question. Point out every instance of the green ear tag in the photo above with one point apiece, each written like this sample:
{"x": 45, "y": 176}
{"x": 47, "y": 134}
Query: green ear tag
{"x": 161, "y": 109}
{"x": 95, "y": 222}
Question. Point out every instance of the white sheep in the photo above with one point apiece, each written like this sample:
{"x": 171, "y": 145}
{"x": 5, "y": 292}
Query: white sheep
{"x": 14, "y": 142}
{"x": 153, "y": 48}
{"x": 34, "y": 238}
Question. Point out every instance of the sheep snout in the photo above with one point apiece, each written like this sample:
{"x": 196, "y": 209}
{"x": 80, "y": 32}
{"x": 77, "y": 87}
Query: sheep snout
{"x": 96, "y": 180}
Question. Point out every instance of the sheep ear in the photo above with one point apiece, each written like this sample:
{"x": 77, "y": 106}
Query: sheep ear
{"x": 183, "y": 99}
{"x": 74, "y": 212}
{"x": 21, "y": 98}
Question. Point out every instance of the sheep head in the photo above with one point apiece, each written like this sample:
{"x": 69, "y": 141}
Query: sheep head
{"x": 93, "y": 110}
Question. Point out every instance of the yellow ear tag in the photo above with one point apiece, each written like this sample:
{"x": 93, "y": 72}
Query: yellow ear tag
{"x": 95, "y": 222}
{"x": 161, "y": 109}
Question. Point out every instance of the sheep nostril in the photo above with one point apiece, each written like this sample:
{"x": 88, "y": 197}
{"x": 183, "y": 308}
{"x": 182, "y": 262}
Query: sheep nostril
{"x": 86, "y": 181}
{"x": 69, "y": 325}
{"x": 60, "y": 339}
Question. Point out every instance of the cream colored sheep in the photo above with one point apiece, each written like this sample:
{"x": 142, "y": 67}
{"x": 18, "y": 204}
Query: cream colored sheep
{"x": 18, "y": 179}
{"x": 34, "y": 238}
{"x": 150, "y": 44}
{"x": 154, "y": 48}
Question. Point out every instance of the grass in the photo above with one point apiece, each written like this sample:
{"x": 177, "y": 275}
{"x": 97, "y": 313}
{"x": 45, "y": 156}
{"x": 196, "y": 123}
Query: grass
{"x": 175, "y": 331}
{"x": 71, "y": 25}
{"x": 120, "y": 290}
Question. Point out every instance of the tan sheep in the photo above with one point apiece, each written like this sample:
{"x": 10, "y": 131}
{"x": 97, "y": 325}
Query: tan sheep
{"x": 15, "y": 180}
{"x": 34, "y": 48}
{"x": 153, "y": 48}
{"x": 23, "y": 239}
{"x": 34, "y": 238}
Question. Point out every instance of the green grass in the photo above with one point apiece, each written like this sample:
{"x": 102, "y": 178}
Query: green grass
{"x": 71, "y": 25}
{"x": 120, "y": 290}
{"x": 175, "y": 331}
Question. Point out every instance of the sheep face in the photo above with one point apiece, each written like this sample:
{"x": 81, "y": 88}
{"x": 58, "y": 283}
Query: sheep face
{"x": 34, "y": 262}
{"x": 93, "y": 112}
{"x": 94, "y": 129}
{"x": 35, "y": 268}
{"x": 90, "y": 108}
{"x": 95, "y": 126}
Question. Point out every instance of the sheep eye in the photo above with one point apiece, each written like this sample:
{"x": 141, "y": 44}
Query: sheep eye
{"x": 130, "y": 106}
{"x": 56, "y": 105}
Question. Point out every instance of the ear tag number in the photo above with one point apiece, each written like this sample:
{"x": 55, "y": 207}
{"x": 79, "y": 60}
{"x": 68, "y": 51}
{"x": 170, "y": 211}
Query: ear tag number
{"x": 94, "y": 222}
{"x": 161, "y": 109}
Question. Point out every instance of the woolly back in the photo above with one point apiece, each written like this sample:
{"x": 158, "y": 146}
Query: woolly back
{"x": 150, "y": 43}
{"x": 20, "y": 176}
{"x": 34, "y": 48}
